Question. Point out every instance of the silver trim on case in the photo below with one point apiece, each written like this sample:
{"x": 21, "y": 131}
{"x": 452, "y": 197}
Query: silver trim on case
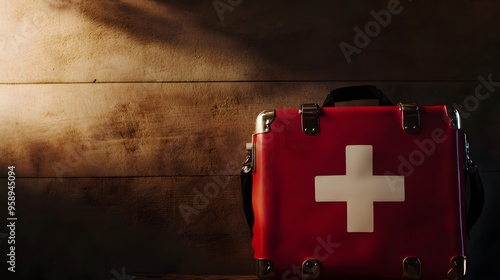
{"x": 456, "y": 119}
{"x": 264, "y": 120}
{"x": 262, "y": 125}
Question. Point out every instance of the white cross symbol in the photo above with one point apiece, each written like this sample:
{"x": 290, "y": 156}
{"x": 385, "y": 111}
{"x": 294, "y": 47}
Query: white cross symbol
{"x": 359, "y": 188}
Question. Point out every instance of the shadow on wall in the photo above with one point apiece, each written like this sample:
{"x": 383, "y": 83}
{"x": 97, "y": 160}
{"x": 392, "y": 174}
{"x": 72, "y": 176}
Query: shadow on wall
{"x": 147, "y": 21}
{"x": 263, "y": 27}
{"x": 310, "y": 33}
{"x": 68, "y": 240}
{"x": 60, "y": 237}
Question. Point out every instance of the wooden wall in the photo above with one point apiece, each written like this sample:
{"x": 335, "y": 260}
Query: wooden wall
{"x": 118, "y": 112}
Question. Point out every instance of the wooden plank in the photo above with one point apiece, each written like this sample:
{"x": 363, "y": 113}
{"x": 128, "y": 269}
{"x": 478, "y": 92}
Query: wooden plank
{"x": 132, "y": 129}
{"x": 95, "y": 225}
{"x": 137, "y": 40}
{"x": 91, "y": 226}
{"x": 106, "y": 130}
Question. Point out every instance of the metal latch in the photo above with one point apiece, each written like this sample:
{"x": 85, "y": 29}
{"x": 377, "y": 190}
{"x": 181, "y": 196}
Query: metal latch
{"x": 411, "y": 268}
{"x": 411, "y": 117}
{"x": 459, "y": 264}
{"x": 310, "y": 118}
{"x": 248, "y": 164}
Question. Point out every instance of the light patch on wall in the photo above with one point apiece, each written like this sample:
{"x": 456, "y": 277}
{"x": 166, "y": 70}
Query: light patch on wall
{"x": 114, "y": 41}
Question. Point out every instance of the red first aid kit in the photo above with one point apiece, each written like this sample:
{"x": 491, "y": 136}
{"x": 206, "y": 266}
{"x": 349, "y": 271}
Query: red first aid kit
{"x": 365, "y": 192}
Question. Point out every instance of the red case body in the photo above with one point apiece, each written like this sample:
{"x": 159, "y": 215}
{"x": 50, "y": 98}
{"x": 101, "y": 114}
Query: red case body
{"x": 292, "y": 227}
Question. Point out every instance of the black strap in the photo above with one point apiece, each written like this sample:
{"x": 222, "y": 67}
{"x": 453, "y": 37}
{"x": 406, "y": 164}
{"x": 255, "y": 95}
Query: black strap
{"x": 246, "y": 189}
{"x": 474, "y": 195}
{"x": 356, "y": 93}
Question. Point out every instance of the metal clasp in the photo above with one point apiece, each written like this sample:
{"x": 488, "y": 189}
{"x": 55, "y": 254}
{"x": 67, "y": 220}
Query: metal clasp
{"x": 411, "y": 117}
{"x": 457, "y": 272}
{"x": 310, "y": 118}
{"x": 247, "y": 165}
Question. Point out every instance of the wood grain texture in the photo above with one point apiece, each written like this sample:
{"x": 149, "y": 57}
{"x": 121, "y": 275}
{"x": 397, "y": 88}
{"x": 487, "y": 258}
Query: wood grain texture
{"x": 90, "y": 226}
{"x": 87, "y": 227}
{"x": 107, "y": 130}
{"x": 117, "y": 114}
{"x": 154, "y": 40}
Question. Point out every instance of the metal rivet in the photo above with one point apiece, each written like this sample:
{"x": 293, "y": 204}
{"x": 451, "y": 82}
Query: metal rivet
{"x": 305, "y": 129}
{"x": 414, "y": 127}
{"x": 406, "y": 127}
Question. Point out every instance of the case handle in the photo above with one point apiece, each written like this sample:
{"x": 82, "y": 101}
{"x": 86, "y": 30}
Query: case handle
{"x": 356, "y": 93}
